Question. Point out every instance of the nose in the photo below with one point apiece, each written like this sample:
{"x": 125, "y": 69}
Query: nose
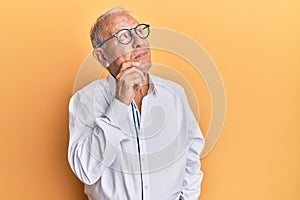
{"x": 137, "y": 42}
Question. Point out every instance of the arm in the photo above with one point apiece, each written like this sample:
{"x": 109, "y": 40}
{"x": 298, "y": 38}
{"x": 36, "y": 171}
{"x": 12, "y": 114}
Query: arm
{"x": 94, "y": 141}
{"x": 92, "y": 147}
{"x": 193, "y": 174}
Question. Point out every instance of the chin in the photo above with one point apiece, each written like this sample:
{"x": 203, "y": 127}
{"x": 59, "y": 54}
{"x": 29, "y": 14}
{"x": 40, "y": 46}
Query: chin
{"x": 146, "y": 66}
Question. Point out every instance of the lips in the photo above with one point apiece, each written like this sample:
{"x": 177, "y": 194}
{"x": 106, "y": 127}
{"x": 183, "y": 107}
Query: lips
{"x": 141, "y": 55}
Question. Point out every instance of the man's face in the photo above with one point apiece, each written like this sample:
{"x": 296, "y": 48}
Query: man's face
{"x": 116, "y": 53}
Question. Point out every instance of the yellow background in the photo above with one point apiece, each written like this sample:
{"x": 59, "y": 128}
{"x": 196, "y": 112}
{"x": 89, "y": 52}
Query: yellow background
{"x": 255, "y": 45}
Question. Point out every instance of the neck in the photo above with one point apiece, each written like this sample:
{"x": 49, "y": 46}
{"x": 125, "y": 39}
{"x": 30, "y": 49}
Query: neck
{"x": 140, "y": 93}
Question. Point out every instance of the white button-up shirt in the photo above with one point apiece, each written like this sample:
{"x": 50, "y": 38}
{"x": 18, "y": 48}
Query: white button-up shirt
{"x": 122, "y": 154}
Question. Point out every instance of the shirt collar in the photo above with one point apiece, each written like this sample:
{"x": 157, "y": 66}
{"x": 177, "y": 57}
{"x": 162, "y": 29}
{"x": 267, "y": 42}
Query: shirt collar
{"x": 153, "y": 85}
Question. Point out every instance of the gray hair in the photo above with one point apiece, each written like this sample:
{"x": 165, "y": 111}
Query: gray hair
{"x": 95, "y": 33}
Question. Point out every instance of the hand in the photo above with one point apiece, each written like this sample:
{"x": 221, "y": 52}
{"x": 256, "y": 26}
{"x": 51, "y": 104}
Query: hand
{"x": 129, "y": 79}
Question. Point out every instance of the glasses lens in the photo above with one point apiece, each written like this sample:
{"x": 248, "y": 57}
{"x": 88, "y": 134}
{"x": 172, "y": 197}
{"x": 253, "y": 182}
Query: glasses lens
{"x": 124, "y": 36}
{"x": 142, "y": 30}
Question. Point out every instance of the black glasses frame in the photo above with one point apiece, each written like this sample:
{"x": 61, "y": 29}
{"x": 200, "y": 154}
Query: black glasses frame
{"x": 130, "y": 31}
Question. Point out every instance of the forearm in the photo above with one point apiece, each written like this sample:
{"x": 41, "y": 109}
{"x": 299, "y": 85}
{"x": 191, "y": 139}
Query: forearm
{"x": 193, "y": 174}
{"x": 89, "y": 155}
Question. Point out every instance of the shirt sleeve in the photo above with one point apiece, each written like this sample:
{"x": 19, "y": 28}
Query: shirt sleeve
{"x": 93, "y": 146}
{"x": 193, "y": 174}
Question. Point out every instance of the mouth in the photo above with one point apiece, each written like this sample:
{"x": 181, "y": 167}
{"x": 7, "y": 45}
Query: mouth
{"x": 141, "y": 56}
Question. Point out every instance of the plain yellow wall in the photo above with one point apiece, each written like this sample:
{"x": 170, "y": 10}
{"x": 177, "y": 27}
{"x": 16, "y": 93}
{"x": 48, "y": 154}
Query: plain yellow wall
{"x": 255, "y": 45}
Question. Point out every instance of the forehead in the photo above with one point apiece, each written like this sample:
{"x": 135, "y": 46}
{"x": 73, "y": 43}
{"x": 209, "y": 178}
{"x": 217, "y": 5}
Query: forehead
{"x": 116, "y": 22}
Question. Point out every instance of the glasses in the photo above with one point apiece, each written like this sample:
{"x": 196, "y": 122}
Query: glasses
{"x": 124, "y": 36}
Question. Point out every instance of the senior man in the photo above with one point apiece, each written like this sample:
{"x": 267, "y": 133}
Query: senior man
{"x": 132, "y": 135}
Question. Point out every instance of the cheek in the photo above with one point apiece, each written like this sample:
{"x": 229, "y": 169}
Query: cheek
{"x": 117, "y": 54}
{"x": 122, "y": 58}
{"x": 148, "y": 58}
{"x": 115, "y": 59}
{"x": 118, "y": 62}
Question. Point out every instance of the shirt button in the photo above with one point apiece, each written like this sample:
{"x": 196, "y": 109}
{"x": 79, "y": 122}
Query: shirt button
{"x": 146, "y": 186}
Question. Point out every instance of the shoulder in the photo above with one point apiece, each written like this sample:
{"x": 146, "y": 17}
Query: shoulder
{"x": 82, "y": 102}
{"x": 86, "y": 92}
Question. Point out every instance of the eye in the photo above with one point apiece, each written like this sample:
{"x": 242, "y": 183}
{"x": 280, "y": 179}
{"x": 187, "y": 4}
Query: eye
{"x": 124, "y": 36}
{"x": 142, "y": 30}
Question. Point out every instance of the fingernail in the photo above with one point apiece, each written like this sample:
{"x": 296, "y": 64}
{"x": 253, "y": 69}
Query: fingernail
{"x": 137, "y": 63}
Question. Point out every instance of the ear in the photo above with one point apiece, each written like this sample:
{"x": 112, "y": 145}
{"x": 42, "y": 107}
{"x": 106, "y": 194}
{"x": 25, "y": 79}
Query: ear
{"x": 98, "y": 53}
